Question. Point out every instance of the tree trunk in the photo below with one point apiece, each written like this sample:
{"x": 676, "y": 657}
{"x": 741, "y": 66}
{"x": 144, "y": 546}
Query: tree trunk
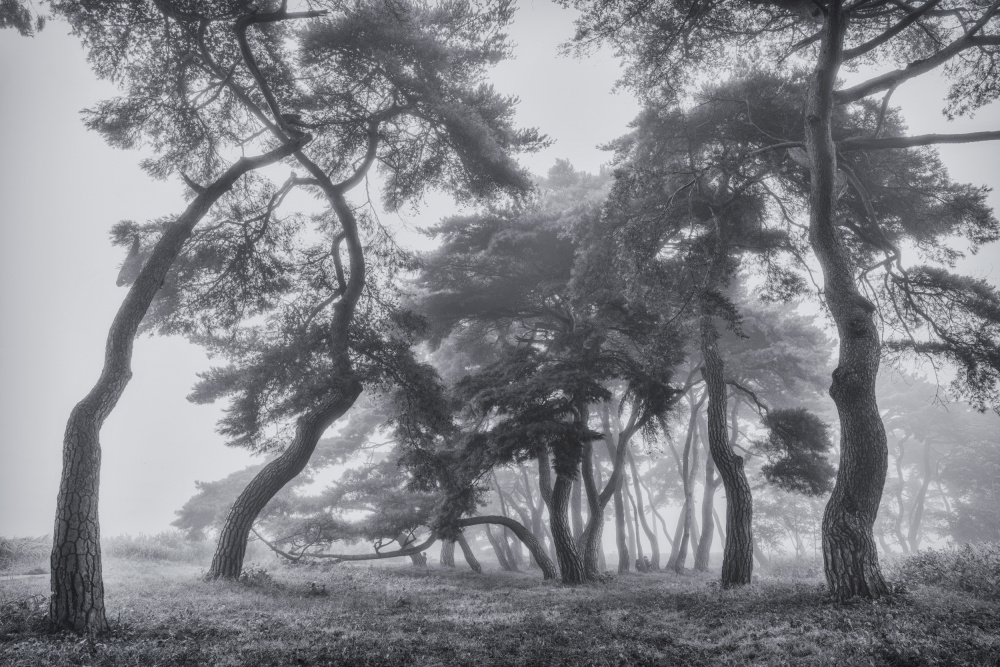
{"x": 499, "y": 551}
{"x": 419, "y": 559}
{"x": 448, "y": 553}
{"x": 77, "y": 583}
{"x": 576, "y": 507}
{"x": 621, "y": 540}
{"x": 917, "y": 513}
{"x": 570, "y": 562}
{"x": 640, "y": 557}
{"x": 898, "y": 525}
{"x": 703, "y": 555}
{"x": 589, "y": 541}
{"x": 630, "y": 529}
{"x": 470, "y": 557}
{"x": 737, "y": 559}
{"x": 228, "y": 560}
{"x": 654, "y": 544}
{"x": 533, "y": 546}
{"x": 759, "y": 555}
{"x": 849, "y": 553}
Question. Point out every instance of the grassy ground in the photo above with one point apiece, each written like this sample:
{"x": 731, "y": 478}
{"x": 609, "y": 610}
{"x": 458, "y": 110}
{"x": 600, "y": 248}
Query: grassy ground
{"x": 165, "y": 614}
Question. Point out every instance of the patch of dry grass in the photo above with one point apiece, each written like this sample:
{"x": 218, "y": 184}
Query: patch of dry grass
{"x": 167, "y": 614}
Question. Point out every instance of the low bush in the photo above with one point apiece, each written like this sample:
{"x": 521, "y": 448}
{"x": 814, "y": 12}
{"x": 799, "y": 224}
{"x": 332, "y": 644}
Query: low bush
{"x": 972, "y": 568}
{"x": 25, "y": 555}
{"x": 168, "y": 545}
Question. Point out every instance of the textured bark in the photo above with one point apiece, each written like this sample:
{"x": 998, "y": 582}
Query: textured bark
{"x": 448, "y": 553}
{"x": 470, "y": 557}
{"x": 533, "y": 546}
{"x": 77, "y": 585}
{"x": 654, "y": 544}
{"x": 576, "y": 507}
{"x": 227, "y": 563}
{"x": 570, "y": 561}
{"x": 737, "y": 559}
{"x": 849, "y": 553}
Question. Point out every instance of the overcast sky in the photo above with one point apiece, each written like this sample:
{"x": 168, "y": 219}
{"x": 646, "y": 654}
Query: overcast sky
{"x": 61, "y": 189}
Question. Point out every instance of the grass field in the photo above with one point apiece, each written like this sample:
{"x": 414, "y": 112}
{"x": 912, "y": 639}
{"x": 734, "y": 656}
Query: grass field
{"x": 165, "y": 613}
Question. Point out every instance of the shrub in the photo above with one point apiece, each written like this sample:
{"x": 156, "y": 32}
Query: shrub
{"x": 25, "y": 553}
{"x": 973, "y": 568}
{"x": 169, "y": 545}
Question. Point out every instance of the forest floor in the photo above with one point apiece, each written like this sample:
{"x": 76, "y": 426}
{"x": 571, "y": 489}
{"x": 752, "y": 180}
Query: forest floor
{"x": 165, "y": 613}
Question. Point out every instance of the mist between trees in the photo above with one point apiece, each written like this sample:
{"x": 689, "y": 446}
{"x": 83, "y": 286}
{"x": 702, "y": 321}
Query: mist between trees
{"x": 653, "y": 346}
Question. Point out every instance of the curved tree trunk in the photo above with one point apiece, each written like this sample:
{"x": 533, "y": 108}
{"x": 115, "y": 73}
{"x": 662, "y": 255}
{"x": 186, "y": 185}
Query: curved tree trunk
{"x": 344, "y": 387}
{"x": 533, "y": 546}
{"x": 654, "y": 544}
{"x": 589, "y": 541}
{"x": 470, "y": 557}
{"x": 228, "y": 560}
{"x": 77, "y": 584}
{"x": 448, "y": 553}
{"x": 849, "y": 553}
{"x": 737, "y": 559}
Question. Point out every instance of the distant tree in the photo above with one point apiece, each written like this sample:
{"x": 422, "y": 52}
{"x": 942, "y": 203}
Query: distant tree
{"x": 503, "y": 277}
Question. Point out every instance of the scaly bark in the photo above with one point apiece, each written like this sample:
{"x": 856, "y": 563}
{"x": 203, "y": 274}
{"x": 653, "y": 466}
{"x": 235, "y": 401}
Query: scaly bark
{"x": 737, "y": 559}
{"x": 570, "y": 563}
{"x": 77, "y": 583}
{"x": 849, "y": 553}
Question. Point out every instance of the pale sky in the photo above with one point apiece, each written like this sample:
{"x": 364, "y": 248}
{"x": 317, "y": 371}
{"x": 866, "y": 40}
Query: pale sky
{"x": 62, "y": 188}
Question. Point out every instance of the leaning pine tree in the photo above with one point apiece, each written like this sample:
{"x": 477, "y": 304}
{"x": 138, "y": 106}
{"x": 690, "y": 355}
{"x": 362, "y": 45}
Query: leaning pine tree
{"x": 394, "y": 86}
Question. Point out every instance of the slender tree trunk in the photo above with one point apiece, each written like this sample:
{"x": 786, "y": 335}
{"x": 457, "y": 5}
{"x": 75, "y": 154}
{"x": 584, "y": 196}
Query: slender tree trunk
{"x": 737, "y": 559}
{"x": 621, "y": 539}
{"x": 448, "y": 553}
{"x": 849, "y": 553}
{"x": 470, "y": 556}
{"x": 675, "y": 544}
{"x": 627, "y": 501}
{"x": 228, "y": 560}
{"x": 654, "y": 544}
{"x": 640, "y": 557}
{"x": 589, "y": 541}
{"x": 692, "y": 476}
{"x": 917, "y": 513}
{"x": 533, "y": 546}
{"x": 758, "y": 553}
{"x": 499, "y": 551}
{"x": 898, "y": 525}
{"x": 703, "y": 555}
{"x": 77, "y": 582}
